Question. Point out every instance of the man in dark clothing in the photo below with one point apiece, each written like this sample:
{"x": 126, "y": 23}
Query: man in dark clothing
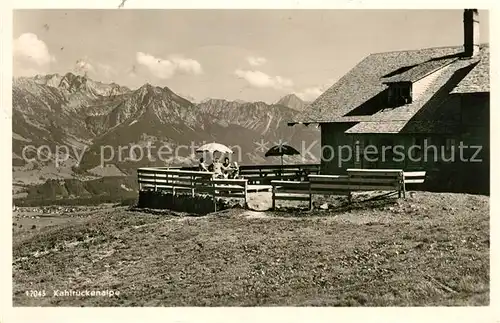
{"x": 201, "y": 166}
{"x": 226, "y": 167}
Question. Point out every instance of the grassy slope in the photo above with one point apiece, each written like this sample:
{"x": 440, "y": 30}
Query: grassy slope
{"x": 432, "y": 249}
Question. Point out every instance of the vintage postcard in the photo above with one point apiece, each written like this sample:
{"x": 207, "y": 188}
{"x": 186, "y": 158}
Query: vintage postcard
{"x": 250, "y": 157}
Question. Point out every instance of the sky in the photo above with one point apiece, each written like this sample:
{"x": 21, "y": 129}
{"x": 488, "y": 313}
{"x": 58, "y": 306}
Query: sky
{"x": 251, "y": 55}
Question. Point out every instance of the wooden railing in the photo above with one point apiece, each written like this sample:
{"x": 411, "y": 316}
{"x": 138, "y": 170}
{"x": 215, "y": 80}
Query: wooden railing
{"x": 190, "y": 182}
{"x": 264, "y": 174}
{"x": 355, "y": 180}
{"x": 287, "y": 181}
{"x": 157, "y": 178}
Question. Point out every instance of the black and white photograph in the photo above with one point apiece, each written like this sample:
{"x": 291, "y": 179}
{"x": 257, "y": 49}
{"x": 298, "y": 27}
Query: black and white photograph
{"x": 250, "y": 157}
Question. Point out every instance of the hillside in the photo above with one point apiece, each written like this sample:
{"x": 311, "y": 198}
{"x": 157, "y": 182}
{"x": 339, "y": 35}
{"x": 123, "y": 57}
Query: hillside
{"x": 428, "y": 250}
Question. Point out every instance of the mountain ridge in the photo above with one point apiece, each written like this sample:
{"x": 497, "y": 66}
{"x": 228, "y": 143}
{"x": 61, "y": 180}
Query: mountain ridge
{"x": 91, "y": 118}
{"x": 293, "y": 102}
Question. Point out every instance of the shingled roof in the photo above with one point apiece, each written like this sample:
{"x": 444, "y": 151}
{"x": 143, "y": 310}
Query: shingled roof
{"x": 478, "y": 80}
{"x": 366, "y": 81}
{"x": 397, "y": 120}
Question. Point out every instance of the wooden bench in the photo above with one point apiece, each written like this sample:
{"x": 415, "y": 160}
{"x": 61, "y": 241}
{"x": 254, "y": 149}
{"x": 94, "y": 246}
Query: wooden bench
{"x": 376, "y": 180}
{"x": 328, "y": 184}
{"x": 266, "y": 180}
{"x": 304, "y": 190}
{"x": 355, "y": 180}
{"x": 223, "y": 187}
{"x": 417, "y": 177}
{"x": 291, "y": 191}
{"x": 264, "y": 174}
{"x": 364, "y": 180}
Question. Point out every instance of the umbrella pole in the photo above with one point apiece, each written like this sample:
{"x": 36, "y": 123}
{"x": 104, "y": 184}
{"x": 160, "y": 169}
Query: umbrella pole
{"x": 281, "y": 168}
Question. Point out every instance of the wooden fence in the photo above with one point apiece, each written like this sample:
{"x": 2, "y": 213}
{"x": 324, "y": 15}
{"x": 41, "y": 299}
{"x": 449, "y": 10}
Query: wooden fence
{"x": 264, "y": 174}
{"x": 171, "y": 179}
{"x": 191, "y": 182}
{"x": 181, "y": 181}
{"x": 355, "y": 180}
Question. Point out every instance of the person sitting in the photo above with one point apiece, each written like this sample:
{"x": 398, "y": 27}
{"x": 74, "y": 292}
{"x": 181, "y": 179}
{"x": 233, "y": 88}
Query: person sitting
{"x": 217, "y": 168}
{"x": 236, "y": 171}
{"x": 226, "y": 164}
{"x": 226, "y": 168}
{"x": 201, "y": 166}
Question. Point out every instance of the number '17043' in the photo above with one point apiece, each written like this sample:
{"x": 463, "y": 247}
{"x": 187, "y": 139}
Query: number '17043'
{"x": 35, "y": 293}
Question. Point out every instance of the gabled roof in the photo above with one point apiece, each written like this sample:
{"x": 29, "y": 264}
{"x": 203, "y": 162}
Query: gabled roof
{"x": 396, "y": 120}
{"x": 364, "y": 83}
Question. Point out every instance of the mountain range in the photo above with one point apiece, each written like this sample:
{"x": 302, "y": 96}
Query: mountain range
{"x": 95, "y": 120}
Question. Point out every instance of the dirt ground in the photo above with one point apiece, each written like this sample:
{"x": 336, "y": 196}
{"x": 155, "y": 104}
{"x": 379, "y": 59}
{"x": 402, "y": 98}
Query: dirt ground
{"x": 430, "y": 249}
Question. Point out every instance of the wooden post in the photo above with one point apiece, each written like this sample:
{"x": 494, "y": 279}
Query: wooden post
{"x": 274, "y": 195}
{"x": 310, "y": 196}
{"x": 173, "y": 185}
{"x": 192, "y": 185}
{"x": 400, "y": 185}
{"x": 403, "y": 183}
{"x": 349, "y": 193}
{"x": 246, "y": 188}
{"x": 214, "y": 195}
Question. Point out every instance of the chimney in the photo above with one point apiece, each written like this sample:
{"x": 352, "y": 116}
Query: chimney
{"x": 471, "y": 32}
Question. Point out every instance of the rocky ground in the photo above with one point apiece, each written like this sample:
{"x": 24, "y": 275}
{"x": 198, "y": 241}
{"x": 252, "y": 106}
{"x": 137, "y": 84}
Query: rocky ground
{"x": 430, "y": 249}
